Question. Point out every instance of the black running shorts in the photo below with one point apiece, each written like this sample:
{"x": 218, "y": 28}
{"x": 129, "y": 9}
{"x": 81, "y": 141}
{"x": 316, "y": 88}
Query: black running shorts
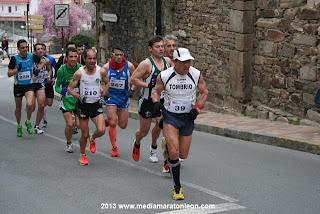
{"x": 20, "y": 90}
{"x": 49, "y": 91}
{"x": 86, "y": 110}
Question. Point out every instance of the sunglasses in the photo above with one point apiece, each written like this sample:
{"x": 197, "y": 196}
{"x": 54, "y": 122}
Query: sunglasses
{"x": 23, "y": 47}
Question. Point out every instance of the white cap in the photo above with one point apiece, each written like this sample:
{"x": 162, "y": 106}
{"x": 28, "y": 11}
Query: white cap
{"x": 182, "y": 54}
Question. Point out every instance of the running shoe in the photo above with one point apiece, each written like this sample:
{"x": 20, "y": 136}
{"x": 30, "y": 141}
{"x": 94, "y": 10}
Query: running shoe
{"x": 44, "y": 124}
{"x": 135, "y": 152}
{"x": 166, "y": 168}
{"x": 69, "y": 148}
{"x": 74, "y": 130}
{"x": 153, "y": 155}
{"x": 177, "y": 193}
{"x": 29, "y": 127}
{"x": 165, "y": 149}
{"x": 19, "y": 130}
{"x": 92, "y": 146}
{"x": 106, "y": 122}
{"x": 181, "y": 160}
{"x": 37, "y": 130}
{"x": 114, "y": 152}
{"x": 83, "y": 160}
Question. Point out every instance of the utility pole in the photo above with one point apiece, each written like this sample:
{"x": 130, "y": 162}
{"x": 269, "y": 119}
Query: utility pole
{"x": 28, "y": 23}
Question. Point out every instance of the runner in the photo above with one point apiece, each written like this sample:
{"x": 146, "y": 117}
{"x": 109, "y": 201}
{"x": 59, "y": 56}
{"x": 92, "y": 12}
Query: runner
{"x": 63, "y": 60}
{"x": 80, "y": 49}
{"x": 39, "y": 86}
{"x": 180, "y": 109}
{"x": 145, "y": 76}
{"x": 68, "y": 102}
{"x": 90, "y": 101}
{"x": 119, "y": 71}
{"x": 49, "y": 86}
{"x": 170, "y": 45}
{"x": 20, "y": 67}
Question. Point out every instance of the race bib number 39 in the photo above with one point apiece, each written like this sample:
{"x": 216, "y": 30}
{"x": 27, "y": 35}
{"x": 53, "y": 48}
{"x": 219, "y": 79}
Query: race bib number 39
{"x": 91, "y": 91}
{"x": 118, "y": 84}
{"x": 24, "y": 75}
{"x": 179, "y": 106}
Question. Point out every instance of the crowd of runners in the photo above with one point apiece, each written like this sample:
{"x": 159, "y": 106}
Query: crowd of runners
{"x": 168, "y": 82}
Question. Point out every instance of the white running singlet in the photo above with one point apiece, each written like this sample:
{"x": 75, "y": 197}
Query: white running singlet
{"x": 180, "y": 91}
{"x": 89, "y": 85}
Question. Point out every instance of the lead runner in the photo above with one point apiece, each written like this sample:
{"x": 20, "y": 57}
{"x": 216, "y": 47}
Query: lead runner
{"x": 180, "y": 109}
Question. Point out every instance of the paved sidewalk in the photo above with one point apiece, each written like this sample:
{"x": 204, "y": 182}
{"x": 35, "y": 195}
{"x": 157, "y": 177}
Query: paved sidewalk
{"x": 297, "y": 137}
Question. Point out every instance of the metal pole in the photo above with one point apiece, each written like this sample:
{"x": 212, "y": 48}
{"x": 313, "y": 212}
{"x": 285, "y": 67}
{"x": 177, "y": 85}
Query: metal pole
{"x": 62, "y": 40}
{"x": 28, "y": 23}
{"x": 31, "y": 40}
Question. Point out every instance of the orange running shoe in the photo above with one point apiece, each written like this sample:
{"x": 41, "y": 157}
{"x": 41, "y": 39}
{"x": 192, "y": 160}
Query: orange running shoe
{"x": 135, "y": 152}
{"x": 106, "y": 122}
{"x": 166, "y": 168}
{"x": 83, "y": 160}
{"x": 114, "y": 152}
{"x": 92, "y": 146}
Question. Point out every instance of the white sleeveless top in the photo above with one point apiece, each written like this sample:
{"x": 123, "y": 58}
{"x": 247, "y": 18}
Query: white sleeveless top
{"x": 89, "y": 85}
{"x": 180, "y": 91}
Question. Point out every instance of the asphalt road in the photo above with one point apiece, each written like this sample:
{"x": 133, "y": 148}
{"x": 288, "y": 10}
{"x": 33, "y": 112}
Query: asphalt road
{"x": 37, "y": 176}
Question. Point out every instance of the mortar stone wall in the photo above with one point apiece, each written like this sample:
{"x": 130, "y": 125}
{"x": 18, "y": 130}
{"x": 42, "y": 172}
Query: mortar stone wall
{"x": 259, "y": 58}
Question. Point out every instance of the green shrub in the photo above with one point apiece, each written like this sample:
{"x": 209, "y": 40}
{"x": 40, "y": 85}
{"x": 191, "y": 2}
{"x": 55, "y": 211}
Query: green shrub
{"x": 80, "y": 38}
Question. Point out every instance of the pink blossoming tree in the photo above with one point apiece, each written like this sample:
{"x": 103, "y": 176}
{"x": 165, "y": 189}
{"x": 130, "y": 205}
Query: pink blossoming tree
{"x": 77, "y": 17}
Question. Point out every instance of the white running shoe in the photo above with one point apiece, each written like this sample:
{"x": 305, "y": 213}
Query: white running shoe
{"x": 69, "y": 148}
{"x": 153, "y": 155}
{"x": 38, "y": 130}
{"x": 181, "y": 160}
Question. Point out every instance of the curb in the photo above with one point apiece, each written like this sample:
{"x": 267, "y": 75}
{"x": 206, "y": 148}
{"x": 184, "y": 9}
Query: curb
{"x": 284, "y": 142}
{"x": 279, "y": 141}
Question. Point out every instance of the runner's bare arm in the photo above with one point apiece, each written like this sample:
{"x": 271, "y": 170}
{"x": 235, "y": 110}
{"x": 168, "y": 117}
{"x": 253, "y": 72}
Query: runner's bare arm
{"x": 105, "y": 80}
{"x": 131, "y": 69}
{"x": 203, "y": 92}
{"x": 73, "y": 83}
{"x": 49, "y": 70}
{"x": 157, "y": 90}
{"x": 142, "y": 71}
{"x": 106, "y": 67}
{"x": 169, "y": 62}
{"x": 42, "y": 64}
{"x": 12, "y": 72}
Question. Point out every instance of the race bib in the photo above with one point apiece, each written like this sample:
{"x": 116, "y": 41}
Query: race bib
{"x": 180, "y": 106}
{"x": 24, "y": 75}
{"x": 118, "y": 84}
{"x": 75, "y": 89}
{"x": 91, "y": 91}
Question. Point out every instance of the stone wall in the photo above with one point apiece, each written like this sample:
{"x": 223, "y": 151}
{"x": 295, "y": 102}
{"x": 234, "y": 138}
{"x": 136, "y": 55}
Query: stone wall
{"x": 132, "y": 30}
{"x": 286, "y": 58}
{"x": 259, "y": 58}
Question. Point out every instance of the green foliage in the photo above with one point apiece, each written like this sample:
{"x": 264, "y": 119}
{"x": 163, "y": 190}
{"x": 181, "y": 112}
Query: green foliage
{"x": 296, "y": 122}
{"x": 80, "y": 38}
